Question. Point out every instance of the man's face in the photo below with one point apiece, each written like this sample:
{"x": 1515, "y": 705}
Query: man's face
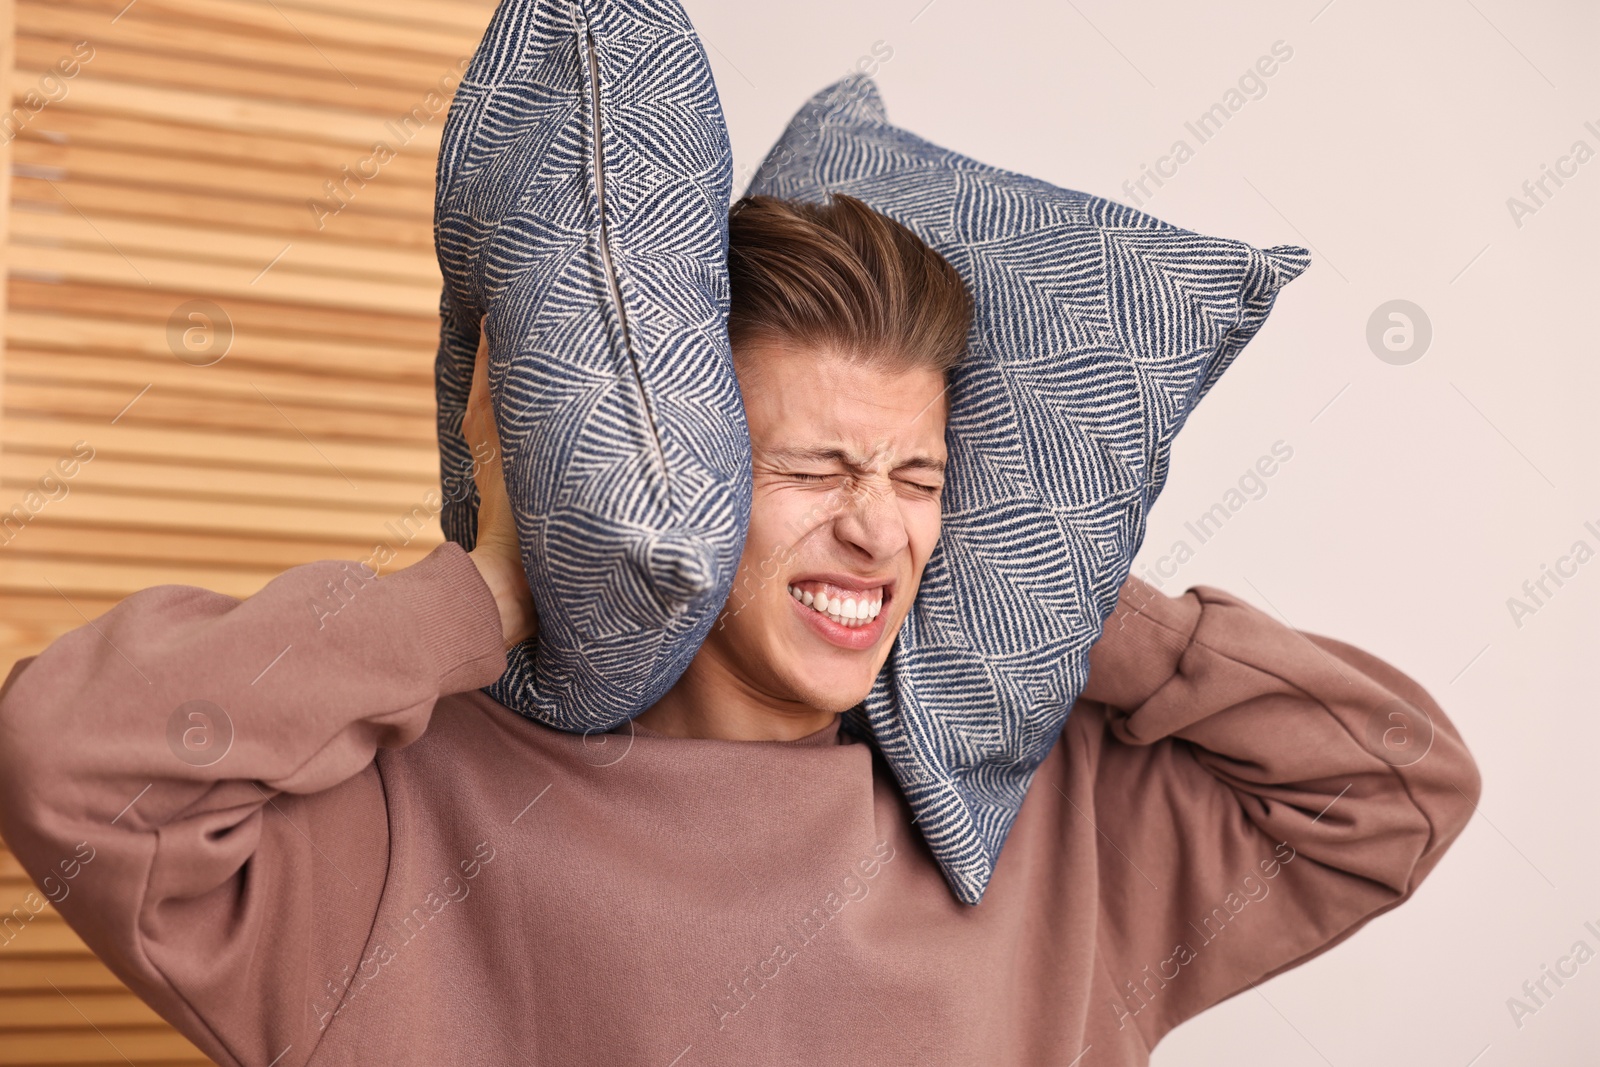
{"x": 849, "y": 469}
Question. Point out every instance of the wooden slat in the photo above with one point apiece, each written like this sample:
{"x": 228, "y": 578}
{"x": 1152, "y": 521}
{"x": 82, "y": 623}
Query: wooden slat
{"x": 135, "y": 238}
{"x": 174, "y": 69}
{"x": 360, "y": 220}
{"x": 109, "y": 1045}
{"x": 60, "y": 538}
{"x": 68, "y": 164}
{"x": 46, "y": 437}
{"x": 219, "y": 485}
{"x": 407, "y": 367}
{"x": 113, "y": 509}
{"x": 231, "y": 111}
{"x": 74, "y": 577}
{"x": 462, "y": 17}
{"x": 43, "y": 938}
{"x": 55, "y": 1012}
{"x": 220, "y": 279}
{"x": 141, "y": 137}
{"x": 62, "y": 23}
{"x": 21, "y": 972}
{"x": 314, "y": 23}
{"x": 233, "y": 381}
{"x": 250, "y": 314}
{"x": 263, "y": 413}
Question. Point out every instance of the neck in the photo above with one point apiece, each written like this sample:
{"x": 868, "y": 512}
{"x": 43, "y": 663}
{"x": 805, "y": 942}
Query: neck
{"x": 710, "y": 702}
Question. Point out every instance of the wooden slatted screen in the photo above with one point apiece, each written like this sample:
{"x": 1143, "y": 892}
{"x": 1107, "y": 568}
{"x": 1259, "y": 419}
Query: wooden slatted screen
{"x": 219, "y": 284}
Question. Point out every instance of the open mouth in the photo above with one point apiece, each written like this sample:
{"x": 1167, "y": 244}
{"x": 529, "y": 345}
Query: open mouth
{"x": 846, "y": 611}
{"x": 852, "y": 607}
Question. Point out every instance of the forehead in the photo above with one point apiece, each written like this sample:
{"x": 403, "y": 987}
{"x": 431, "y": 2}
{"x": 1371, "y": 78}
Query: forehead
{"x": 810, "y": 398}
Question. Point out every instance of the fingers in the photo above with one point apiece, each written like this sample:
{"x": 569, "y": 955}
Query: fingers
{"x": 477, "y": 421}
{"x": 480, "y": 365}
{"x": 483, "y": 438}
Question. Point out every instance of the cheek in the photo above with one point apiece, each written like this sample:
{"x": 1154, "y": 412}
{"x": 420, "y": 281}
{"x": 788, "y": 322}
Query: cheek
{"x": 781, "y": 519}
{"x": 922, "y": 519}
{"x": 922, "y": 524}
{"x": 769, "y": 546}
{"x": 765, "y": 533}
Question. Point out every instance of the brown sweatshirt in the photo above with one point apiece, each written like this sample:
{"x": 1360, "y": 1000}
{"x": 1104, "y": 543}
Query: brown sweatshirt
{"x": 386, "y": 866}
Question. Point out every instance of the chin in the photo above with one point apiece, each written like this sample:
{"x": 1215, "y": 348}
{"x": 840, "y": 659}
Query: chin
{"x": 839, "y": 703}
{"x": 835, "y": 697}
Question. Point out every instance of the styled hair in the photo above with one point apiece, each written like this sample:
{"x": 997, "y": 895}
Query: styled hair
{"x": 844, "y": 277}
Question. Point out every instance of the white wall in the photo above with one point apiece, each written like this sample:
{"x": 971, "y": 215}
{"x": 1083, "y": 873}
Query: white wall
{"x": 1416, "y": 502}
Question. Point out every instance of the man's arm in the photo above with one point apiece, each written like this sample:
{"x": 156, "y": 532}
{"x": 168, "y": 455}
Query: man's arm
{"x": 150, "y": 763}
{"x": 189, "y": 778}
{"x": 1263, "y": 794}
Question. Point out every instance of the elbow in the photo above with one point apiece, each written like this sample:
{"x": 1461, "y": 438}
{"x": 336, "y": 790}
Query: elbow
{"x": 1442, "y": 782}
{"x": 1454, "y": 785}
{"x": 50, "y": 737}
{"x": 25, "y": 781}
{"x": 18, "y": 721}
{"x": 1432, "y": 772}
{"x": 25, "y": 732}
{"x": 1419, "y": 792}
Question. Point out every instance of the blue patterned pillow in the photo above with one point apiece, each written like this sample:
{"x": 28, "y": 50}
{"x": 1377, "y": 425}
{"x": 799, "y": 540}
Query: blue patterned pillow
{"x": 1097, "y": 329}
{"x": 583, "y": 206}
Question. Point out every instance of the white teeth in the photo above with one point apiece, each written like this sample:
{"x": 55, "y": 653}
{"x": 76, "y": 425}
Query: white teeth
{"x": 846, "y": 611}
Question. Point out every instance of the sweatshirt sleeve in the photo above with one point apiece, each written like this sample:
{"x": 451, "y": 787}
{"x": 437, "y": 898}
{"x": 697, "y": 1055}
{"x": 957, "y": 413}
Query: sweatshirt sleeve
{"x": 189, "y": 779}
{"x": 1263, "y": 793}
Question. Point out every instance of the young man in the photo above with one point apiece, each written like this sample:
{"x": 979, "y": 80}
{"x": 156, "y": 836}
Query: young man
{"x": 361, "y": 858}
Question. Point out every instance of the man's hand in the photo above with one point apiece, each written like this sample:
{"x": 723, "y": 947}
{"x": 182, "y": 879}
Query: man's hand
{"x": 496, "y": 553}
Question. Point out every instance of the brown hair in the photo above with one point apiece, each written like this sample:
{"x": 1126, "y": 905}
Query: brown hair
{"x": 842, "y": 276}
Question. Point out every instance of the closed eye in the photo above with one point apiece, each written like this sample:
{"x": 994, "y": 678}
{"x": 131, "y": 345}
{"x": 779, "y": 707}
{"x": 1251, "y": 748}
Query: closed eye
{"x": 803, "y": 476}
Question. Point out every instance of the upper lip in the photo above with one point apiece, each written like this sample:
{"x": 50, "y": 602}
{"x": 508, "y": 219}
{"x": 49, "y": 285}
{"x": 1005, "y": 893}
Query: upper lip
{"x": 849, "y": 581}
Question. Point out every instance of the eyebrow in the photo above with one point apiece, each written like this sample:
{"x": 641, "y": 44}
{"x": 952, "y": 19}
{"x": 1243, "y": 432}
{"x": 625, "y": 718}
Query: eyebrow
{"x": 838, "y": 455}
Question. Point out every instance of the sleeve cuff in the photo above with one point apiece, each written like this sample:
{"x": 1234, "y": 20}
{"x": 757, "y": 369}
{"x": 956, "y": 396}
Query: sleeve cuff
{"x": 456, "y": 617}
{"x": 1141, "y": 645}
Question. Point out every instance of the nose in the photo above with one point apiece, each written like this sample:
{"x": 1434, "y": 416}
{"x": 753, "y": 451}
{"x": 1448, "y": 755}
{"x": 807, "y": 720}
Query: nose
{"x": 869, "y": 520}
